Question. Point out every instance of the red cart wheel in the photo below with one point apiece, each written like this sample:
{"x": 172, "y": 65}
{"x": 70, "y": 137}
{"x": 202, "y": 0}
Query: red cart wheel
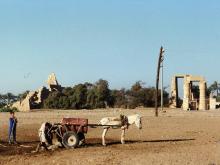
{"x": 70, "y": 140}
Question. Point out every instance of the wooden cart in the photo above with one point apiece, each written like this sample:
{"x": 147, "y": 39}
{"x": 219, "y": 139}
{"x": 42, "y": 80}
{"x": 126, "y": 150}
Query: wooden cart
{"x": 71, "y": 131}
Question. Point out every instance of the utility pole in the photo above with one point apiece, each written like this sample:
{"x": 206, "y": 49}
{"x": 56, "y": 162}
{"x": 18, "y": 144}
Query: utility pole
{"x": 157, "y": 79}
{"x": 162, "y": 83}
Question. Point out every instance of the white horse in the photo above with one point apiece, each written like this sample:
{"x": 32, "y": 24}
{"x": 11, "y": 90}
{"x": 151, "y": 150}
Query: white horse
{"x": 122, "y": 122}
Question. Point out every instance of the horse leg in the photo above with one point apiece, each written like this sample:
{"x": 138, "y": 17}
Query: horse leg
{"x": 123, "y": 136}
{"x": 103, "y": 136}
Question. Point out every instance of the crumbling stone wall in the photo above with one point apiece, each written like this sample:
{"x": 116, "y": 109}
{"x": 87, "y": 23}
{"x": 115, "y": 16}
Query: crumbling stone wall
{"x": 34, "y": 99}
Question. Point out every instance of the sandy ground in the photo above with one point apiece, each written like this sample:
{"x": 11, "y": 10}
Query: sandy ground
{"x": 175, "y": 137}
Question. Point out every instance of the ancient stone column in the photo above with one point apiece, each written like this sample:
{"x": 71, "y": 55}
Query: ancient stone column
{"x": 52, "y": 80}
{"x": 202, "y": 98}
{"x": 173, "y": 103}
{"x": 53, "y": 83}
{"x": 186, "y": 95}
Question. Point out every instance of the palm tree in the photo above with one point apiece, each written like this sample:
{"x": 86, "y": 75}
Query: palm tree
{"x": 215, "y": 87}
{"x": 8, "y": 98}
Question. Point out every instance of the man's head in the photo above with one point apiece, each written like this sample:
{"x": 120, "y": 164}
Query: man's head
{"x": 12, "y": 113}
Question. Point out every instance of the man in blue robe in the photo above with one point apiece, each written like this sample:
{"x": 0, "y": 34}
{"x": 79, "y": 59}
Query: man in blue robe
{"x": 12, "y": 128}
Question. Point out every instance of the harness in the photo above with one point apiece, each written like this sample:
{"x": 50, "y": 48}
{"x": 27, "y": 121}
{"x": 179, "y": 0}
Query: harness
{"x": 48, "y": 133}
{"x": 124, "y": 121}
{"x": 53, "y": 130}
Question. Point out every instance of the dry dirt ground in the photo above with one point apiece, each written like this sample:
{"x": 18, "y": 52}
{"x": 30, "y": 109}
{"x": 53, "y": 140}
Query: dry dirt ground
{"x": 175, "y": 137}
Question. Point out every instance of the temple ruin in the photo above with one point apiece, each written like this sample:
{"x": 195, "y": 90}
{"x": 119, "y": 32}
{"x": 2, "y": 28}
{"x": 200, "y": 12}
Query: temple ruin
{"x": 34, "y": 99}
{"x": 52, "y": 83}
{"x": 189, "y": 101}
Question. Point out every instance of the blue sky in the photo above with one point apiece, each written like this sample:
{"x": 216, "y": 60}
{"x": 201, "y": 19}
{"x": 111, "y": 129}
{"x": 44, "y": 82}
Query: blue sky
{"x": 117, "y": 40}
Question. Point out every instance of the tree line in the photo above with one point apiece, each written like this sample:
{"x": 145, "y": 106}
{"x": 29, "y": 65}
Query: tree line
{"x": 98, "y": 95}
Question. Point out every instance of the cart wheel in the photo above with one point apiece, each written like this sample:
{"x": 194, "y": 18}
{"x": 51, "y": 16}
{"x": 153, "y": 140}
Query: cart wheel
{"x": 70, "y": 140}
{"x": 82, "y": 139}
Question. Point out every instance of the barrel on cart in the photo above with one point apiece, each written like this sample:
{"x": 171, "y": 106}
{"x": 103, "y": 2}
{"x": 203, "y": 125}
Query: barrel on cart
{"x": 73, "y": 130}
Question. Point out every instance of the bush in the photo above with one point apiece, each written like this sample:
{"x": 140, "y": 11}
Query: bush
{"x": 8, "y": 109}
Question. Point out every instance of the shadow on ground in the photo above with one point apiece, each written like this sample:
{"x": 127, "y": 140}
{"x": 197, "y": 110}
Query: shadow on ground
{"x": 113, "y": 142}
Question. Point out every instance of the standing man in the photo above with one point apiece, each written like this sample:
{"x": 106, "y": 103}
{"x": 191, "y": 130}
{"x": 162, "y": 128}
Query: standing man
{"x": 12, "y": 128}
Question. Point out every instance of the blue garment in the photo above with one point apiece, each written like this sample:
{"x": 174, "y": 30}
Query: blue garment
{"x": 12, "y": 129}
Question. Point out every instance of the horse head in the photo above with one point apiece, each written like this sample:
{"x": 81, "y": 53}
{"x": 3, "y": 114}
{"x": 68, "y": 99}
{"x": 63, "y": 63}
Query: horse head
{"x": 138, "y": 121}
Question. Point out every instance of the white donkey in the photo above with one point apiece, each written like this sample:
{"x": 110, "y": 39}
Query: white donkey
{"x": 122, "y": 122}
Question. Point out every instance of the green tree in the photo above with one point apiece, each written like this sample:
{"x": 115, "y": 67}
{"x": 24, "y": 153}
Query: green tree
{"x": 79, "y": 97}
{"x": 102, "y": 93}
{"x": 118, "y": 98}
{"x": 99, "y": 95}
{"x": 91, "y": 100}
{"x": 136, "y": 96}
{"x": 215, "y": 87}
{"x": 53, "y": 100}
{"x": 137, "y": 86}
{"x": 7, "y": 99}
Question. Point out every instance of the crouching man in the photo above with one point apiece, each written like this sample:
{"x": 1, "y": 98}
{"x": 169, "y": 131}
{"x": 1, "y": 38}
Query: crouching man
{"x": 46, "y": 138}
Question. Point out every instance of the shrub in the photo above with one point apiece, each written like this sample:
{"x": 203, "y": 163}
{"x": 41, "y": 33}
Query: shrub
{"x": 7, "y": 109}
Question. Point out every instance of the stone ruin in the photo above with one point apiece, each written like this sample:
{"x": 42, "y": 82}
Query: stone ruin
{"x": 53, "y": 83}
{"x": 214, "y": 104}
{"x": 34, "y": 99}
{"x": 189, "y": 101}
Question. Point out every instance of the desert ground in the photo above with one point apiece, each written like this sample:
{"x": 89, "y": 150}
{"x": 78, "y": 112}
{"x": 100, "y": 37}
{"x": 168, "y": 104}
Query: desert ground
{"x": 175, "y": 137}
